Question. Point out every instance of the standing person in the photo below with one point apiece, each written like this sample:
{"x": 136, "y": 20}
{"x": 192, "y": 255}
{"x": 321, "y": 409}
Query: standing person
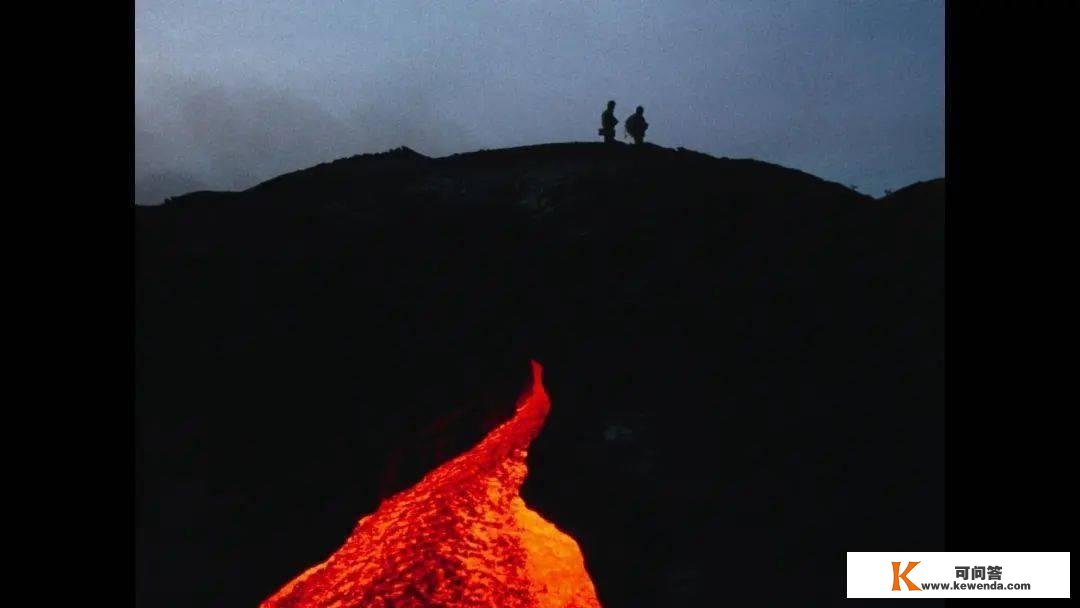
{"x": 636, "y": 125}
{"x": 608, "y": 122}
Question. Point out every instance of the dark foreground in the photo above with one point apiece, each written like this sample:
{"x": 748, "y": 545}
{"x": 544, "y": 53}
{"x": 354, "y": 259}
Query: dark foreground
{"x": 745, "y": 363}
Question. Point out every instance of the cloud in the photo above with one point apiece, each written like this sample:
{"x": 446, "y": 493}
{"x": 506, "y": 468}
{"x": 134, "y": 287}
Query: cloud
{"x": 229, "y": 94}
{"x": 189, "y": 132}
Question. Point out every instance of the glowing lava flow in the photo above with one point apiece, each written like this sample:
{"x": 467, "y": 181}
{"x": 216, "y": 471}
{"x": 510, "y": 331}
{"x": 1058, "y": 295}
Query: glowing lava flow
{"x": 460, "y": 538}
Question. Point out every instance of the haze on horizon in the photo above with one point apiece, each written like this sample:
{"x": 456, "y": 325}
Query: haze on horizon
{"x": 228, "y": 94}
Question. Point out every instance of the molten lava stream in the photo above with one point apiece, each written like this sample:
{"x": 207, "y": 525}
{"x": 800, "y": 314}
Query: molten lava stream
{"x": 460, "y": 538}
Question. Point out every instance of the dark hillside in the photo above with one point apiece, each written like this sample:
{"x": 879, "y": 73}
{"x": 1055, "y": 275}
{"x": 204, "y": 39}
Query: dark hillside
{"x": 746, "y": 365}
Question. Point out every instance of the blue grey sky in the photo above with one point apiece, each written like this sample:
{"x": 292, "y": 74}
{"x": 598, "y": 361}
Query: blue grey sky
{"x": 232, "y": 92}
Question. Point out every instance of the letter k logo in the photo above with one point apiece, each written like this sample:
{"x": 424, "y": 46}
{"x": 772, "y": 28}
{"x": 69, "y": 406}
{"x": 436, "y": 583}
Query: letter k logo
{"x": 897, "y": 575}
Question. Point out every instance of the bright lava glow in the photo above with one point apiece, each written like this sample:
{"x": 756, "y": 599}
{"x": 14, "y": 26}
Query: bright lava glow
{"x": 462, "y": 537}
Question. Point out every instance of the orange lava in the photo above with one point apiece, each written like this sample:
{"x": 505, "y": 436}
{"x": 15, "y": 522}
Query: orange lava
{"x": 462, "y": 537}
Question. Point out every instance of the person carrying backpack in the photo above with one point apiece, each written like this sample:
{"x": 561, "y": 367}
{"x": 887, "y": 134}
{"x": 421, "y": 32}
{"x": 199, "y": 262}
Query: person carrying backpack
{"x": 636, "y": 125}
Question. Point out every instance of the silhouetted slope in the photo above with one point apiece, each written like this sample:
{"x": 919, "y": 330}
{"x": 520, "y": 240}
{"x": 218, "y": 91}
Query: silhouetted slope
{"x": 154, "y": 189}
{"x": 746, "y": 364}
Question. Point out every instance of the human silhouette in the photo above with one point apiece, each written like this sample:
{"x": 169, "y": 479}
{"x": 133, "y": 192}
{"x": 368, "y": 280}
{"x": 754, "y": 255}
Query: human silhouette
{"x": 636, "y": 125}
{"x": 608, "y": 122}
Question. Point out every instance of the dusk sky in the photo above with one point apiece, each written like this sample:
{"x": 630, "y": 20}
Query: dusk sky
{"x": 229, "y": 93}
